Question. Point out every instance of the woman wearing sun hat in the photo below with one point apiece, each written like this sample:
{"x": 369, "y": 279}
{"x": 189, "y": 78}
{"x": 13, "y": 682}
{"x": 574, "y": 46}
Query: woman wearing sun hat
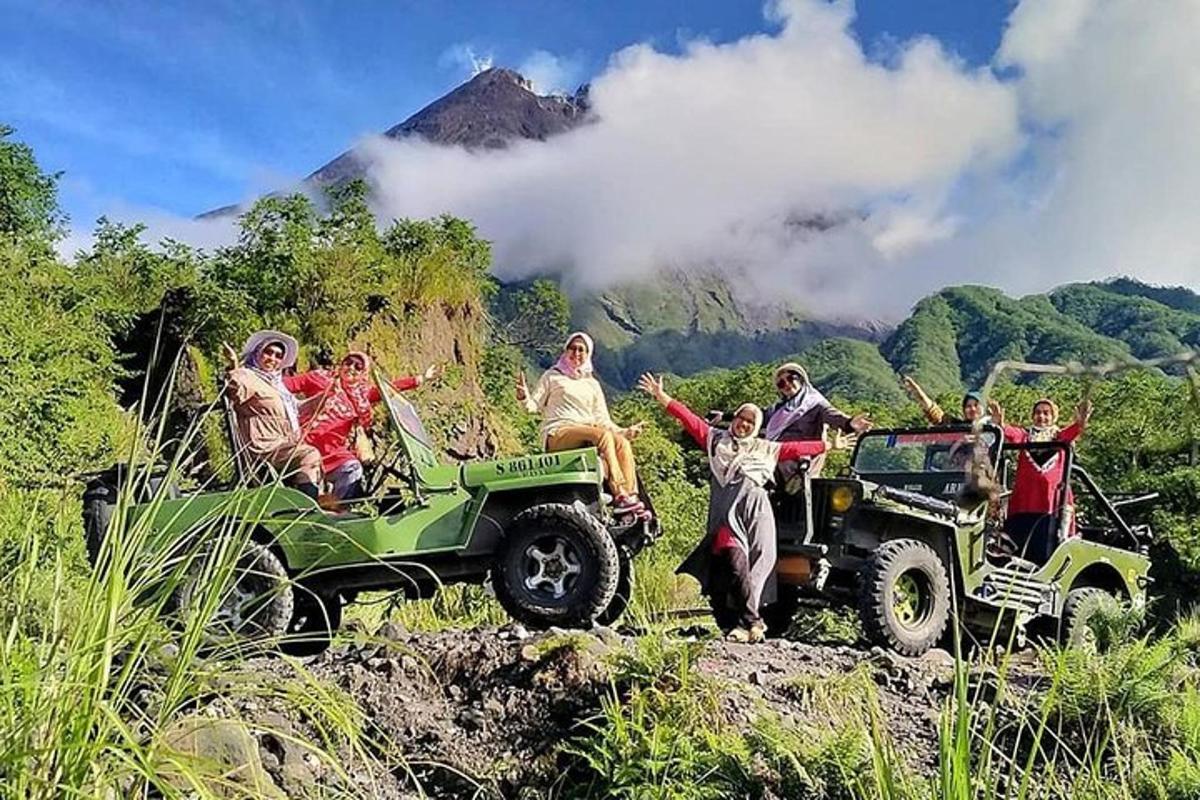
{"x": 268, "y": 416}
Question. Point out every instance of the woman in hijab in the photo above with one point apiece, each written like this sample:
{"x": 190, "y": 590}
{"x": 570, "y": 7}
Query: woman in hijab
{"x": 1031, "y": 521}
{"x": 575, "y": 414}
{"x": 735, "y": 561}
{"x": 268, "y": 416}
{"x": 336, "y": 401}
{"x": 972, "y": 405}
{"x": 802, "y": 414}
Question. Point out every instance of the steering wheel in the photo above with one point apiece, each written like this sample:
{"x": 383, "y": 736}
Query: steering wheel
{"x": 385, "y": 467}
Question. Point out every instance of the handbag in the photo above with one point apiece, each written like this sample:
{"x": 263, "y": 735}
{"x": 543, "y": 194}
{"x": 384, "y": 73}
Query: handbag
{"x": 364, "y": 451}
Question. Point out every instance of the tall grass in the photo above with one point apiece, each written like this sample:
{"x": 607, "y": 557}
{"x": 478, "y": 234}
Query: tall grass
{"x": 102, "y": 675}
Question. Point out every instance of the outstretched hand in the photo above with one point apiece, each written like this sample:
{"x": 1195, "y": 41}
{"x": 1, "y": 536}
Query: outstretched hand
{"x": 996, "y": 412}
{"x": 653, "y": 386}
{"x": 860, "y": 423}
{"x": 229, "y": 355}
{"x": 432, "y": 373}
{"x": 634, "y": 430}
{"x": 1083, "y": 413}
{"x": 522, "y": 386}
{"x": 841, "y": 440}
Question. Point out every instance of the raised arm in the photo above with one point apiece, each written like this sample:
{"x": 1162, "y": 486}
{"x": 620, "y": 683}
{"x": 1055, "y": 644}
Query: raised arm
{"x": 308, "y": 384}
{"x": 932, "y": 411}
{"x": 696, "y": 428}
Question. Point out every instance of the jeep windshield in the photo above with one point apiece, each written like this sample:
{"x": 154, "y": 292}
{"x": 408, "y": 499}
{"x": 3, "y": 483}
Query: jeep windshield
{"x": 922, "y": 449}
{"x": 402, "y": 413}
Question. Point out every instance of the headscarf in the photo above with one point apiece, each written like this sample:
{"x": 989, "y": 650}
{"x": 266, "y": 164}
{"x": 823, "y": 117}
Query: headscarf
{"x": 250, "y": 359}
{"x": 564, "y": 366}
{"x": 1049, "y": 433}
{"x": 976, "y": 396}
{"x": 732, "y": 458}
{"x": 793, "y": 408}
{"x": 358, "y": 391}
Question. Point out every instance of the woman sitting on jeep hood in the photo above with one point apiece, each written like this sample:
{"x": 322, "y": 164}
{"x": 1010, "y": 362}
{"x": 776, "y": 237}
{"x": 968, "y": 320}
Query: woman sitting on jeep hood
{"x": 268, "y": 416}
{"x": 575, "y": 414}
{"x": 735, "y": 561}
{"x": 802, "y": 414}
{"x": 1032, "y": 521}
{"x": 336, "y": 401}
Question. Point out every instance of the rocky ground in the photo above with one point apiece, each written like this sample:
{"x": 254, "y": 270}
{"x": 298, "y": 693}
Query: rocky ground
{"x": 483, "y": 712}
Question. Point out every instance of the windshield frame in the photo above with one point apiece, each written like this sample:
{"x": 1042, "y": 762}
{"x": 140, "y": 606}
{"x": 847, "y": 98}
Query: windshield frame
{"x": 994, "y": 449}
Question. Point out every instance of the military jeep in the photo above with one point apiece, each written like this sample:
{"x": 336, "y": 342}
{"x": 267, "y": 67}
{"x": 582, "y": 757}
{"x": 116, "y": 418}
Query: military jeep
{"x": 539, "y": 527}
{"x": 902, "y": 537}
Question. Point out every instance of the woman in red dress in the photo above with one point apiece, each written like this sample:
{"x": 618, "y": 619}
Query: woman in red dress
{"x": 1032, "y": 521}
{"x": 336, "y": 401}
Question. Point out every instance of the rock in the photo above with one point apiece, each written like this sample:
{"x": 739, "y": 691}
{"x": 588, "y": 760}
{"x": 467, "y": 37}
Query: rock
{"x": 758, "y": 678}
{"x": 493, "y": 707}
{"x": 392, "y": 631}
{"x": 224, "y": 754}
{"x": 472, "y": 719}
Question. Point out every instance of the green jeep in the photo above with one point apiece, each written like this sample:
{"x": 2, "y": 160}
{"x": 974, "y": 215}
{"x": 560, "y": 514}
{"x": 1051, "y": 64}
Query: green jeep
{"x": 903, "y": 537}
{"x": 539, "y": 527}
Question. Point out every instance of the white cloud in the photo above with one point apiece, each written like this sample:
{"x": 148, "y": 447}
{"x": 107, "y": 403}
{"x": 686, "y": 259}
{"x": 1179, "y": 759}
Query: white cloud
{"x": 550, "y": 73}
{"x": 702, "y": 158}
{"x": 463, "y": 56}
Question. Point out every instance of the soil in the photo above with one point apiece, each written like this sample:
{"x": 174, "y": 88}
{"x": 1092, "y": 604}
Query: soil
{"x": 484, "y": 712}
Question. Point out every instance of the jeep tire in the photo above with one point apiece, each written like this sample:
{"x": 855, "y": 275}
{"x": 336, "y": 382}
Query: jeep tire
{"x": 905, "y": 597}
{"x": 623, "y": 595}
{"x": 257, "y": 604}
{"x": 556, "y": 565}
{"x": 316, "y": 617}
{"x": 1080, "y": 607}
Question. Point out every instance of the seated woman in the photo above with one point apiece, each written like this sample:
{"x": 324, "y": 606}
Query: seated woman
{"x": 268, "y": 417}
{"x": 802, "y": 415}
{"x": 575, "y": 414}
{"x": 735, "y": 561}
{"x": 1032, "y": 521}
{"x": 337, "y": 401}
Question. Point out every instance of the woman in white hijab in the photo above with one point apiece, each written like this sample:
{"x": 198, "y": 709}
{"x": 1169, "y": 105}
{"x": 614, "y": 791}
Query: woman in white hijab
{"x": 268, "y": 417}
{"x": 575, "y": 414}
{"x": 735, "y": 561}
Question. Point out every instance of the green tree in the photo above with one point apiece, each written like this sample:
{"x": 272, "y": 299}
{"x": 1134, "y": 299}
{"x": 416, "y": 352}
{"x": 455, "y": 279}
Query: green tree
{"x": 532, "y": 316}
{"x": 29, "y": 211}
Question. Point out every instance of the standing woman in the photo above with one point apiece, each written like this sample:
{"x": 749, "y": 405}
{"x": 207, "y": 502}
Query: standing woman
{"x": 337, "y": 401}
{"x": 735, "y": 561}
{"x": 268, "y": 416}
{"x": 1031, "y": 521}
{"x": 802, "y": 414}
{"x": 575, "y": 414}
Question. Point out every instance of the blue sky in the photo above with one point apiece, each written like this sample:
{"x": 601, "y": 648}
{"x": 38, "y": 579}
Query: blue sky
{"x": 184, "y": 106}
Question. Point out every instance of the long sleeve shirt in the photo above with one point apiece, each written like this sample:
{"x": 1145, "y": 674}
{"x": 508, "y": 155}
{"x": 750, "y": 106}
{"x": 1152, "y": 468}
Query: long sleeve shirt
{"x": 1039, "y": 474}
{"x": 562, "y": 400}
{"x": 330, "y": 412}
{"x": 698, "y": 429}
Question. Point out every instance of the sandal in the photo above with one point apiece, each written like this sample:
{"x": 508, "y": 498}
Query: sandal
{"x": 739, "y": 636}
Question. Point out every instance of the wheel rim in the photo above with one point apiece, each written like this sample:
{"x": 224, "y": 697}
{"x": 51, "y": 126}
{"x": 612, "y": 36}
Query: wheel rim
{"x": 911, "y": 602}
{"x": 245, "y": 600}
{"x": 552, "y": 567}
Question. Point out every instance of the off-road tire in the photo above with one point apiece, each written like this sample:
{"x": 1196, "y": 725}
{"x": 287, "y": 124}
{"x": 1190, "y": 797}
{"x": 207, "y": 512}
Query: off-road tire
{"x": 99, "y": 503}
{"x": 624, "y": 594}
{"x": 543, "y": 528}
{"x": 260, "y": 575}
{"x": 315, "y": 619}
{"x": 925, "y": 575}
{"x": 1081, "y": 604}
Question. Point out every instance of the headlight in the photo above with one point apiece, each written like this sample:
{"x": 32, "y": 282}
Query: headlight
{"x": 841, "y": 499}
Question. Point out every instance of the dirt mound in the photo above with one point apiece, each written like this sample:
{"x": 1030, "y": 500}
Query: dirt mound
{"x": 484, "y": 712}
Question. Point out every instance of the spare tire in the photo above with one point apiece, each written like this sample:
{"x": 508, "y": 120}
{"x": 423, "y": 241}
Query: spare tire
{"x": 557, "y": 565}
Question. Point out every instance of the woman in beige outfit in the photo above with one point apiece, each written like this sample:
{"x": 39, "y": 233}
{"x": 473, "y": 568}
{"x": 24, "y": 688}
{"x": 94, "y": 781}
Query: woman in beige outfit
{"x": 575, "y": 414}
{"x": 268, "y": 417}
